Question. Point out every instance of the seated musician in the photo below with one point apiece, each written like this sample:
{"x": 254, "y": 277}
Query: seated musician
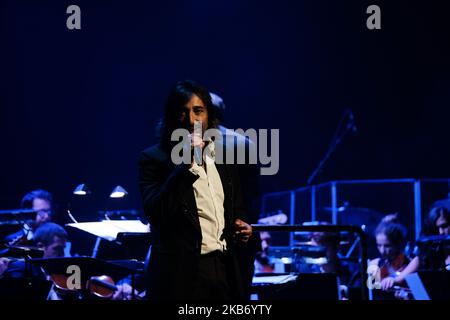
{"x": 40, "y": 201}
{"x": 51, "y": 238}
{"x": 393, "y": 264}
{"x": 437, "y": 223}
{"x": 347, "y": 272}
{"x": 262, "y": 260}
{"x": 330, "y": 241}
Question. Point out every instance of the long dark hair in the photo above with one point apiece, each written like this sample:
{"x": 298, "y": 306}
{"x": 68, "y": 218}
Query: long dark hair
{"x": 441, "y": 209}
{"x": 179, "y": 95}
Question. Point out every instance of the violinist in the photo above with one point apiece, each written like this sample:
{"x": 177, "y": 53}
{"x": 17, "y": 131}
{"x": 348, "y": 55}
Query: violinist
{"x": 41, "y": 202}
{"x": 393, "y": 264}
{"x": 51, "y": 238}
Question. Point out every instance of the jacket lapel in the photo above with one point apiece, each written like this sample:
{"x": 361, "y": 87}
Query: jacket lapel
{"x": 187, "y": 199}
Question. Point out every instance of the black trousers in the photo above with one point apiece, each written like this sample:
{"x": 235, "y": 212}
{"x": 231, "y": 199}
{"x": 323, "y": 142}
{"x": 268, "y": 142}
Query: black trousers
{"x": 211, "y": 281}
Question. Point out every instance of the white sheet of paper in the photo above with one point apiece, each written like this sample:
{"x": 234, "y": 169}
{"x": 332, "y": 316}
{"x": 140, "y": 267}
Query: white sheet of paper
{"x": 108, "y": 229}
{"x": 274, "y": 279}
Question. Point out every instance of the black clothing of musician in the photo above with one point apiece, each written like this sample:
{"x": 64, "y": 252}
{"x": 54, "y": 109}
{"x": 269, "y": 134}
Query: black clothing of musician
{"x": 186, "y": 261}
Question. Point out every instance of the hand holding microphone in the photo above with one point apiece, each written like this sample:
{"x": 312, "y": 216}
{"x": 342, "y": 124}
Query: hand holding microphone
{"x": 197, "y": 145}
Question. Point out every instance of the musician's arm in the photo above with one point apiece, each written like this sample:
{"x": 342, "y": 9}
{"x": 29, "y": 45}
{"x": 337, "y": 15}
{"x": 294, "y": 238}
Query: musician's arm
{"x": 412, "y": 267}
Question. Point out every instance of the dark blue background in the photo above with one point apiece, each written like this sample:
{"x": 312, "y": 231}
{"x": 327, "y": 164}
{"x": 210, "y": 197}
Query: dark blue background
{"x": 79, "y": 106}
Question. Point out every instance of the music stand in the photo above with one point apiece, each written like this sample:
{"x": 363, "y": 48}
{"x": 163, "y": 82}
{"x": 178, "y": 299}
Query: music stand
{"x": 17, "y": 216}
{"x": 113, "y": 230}
{"x": 429, "y": 285}
{"x": 24, "y": 289}
{"x": 306, "y": 286}
{"x": 23, "y": 251}
{"x": 89, "y": 267}
{"x": 109, "y": 229}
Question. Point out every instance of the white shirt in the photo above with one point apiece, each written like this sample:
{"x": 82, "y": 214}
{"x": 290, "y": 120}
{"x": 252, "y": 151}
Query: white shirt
{"x": 209, "y": 197}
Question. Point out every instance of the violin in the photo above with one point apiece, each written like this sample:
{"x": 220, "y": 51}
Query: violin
{"x": 97, "y": 287}
{"x": 393, "y": 269}
{"x": 102, "y": 286}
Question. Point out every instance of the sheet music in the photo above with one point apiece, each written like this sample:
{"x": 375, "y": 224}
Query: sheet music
{"x": 274, "y": 279}
{"x": 108, "y": 229}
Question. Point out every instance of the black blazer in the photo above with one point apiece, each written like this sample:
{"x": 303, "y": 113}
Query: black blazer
{"x": 169, "y": 204}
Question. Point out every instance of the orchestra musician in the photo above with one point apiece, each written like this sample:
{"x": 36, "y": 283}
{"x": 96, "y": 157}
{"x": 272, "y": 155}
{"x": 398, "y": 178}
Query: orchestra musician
{"x": 437, "y": 223}
{"x": 51, "y": 238}
{"x": 393, "y": 263}
{"x": 262, "y": 259}
{"x": 41, "y": 201}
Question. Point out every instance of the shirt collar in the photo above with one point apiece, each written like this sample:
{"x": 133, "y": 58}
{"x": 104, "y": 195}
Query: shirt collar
{"x": 211, "y": 149}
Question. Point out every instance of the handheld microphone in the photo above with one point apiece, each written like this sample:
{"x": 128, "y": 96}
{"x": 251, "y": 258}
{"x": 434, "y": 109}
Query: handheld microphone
{"x": 198, "y": 153}
{"x": 198, "y": 150}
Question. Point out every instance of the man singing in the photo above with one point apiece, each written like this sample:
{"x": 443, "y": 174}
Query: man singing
{"x": 195, "y": 209}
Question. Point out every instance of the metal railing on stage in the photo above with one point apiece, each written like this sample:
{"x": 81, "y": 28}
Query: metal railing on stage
{"x": 411, "y": 198}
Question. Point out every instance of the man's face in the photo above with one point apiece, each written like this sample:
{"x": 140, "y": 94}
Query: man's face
{"x": 443, "y": 226}
{"x": 56, "y": 248}
{"x": 194, "y": 110}
{"x": 385, "y": 247}
{"x": 43, "y": 211}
